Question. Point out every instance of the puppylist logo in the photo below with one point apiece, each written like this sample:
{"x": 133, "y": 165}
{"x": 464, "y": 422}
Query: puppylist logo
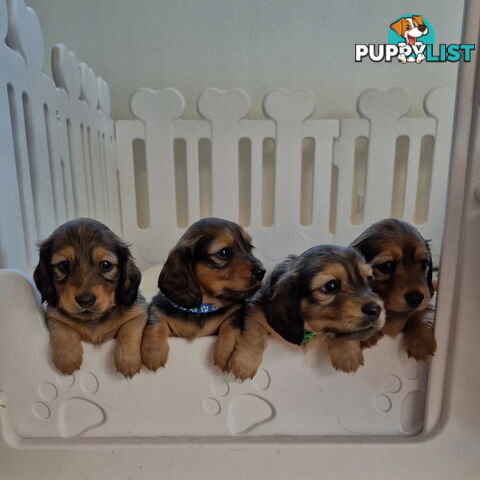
{"x": 411, "y": 40}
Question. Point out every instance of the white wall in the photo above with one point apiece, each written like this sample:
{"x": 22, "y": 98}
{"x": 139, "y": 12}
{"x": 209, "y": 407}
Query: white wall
{"x": 257, "y": 45}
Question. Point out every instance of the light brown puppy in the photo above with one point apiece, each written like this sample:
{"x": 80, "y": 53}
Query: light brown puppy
{"x": 203, "y": 286}
{"x": 402, "y": 267}
{"x": 324, "y": 291}
{"x": 89, "y": 282}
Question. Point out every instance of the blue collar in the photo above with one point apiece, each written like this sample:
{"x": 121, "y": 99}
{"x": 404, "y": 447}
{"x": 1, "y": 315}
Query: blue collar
{"x": 203, "y": 308}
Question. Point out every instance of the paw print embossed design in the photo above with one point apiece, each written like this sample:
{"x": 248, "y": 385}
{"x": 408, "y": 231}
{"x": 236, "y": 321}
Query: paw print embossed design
{"x": 245, "y": 411}
{"x": 399, "y": 397}
{"x": 69, "y": 403}
{"x": 392, "y": 399}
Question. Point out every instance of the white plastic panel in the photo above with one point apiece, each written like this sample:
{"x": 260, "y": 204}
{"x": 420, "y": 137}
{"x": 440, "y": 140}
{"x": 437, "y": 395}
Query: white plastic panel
{"x": 57, "y": 140}
{"x": 288, "y": 124}
{"x": 295, "y": 393}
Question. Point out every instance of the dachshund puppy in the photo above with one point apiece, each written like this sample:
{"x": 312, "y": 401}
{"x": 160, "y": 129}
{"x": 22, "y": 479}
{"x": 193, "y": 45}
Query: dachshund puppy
{"x": 325, "y": 291}
{"x": 402, "y": 266}
{"x": 89, "y": 282}
{"x": 203, "y": 286}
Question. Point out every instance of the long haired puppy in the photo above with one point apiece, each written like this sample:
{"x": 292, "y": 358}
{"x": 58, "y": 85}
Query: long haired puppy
{"x": 402, "y": 267}
{"x": 326, "y": 292}
{"x": 203, "y": 286}
{"x": 89, "y": 282}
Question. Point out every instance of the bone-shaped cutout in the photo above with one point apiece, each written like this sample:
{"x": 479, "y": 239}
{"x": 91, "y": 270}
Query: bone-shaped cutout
{"x": 103, "y": 95}
{"x": 65, "y": 70}
{"x": 223, "y": 105}
{"x": 283, "y": 104}
{"x": 3, "y": 20}
{"x": 435, "y": 104}
{"x": 167, "y": 103}
{"x": 377, "y": 103}
{"x": 89, "y": 85}
{"x": 25, "y": 34}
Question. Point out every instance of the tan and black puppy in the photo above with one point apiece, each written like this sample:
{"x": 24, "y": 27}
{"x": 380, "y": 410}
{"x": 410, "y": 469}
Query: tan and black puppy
{"x": 402, "y": 267}
{"x": 203, "y": 286}
{"x": 325, "y": 291}
{"x": 89, "y": 282}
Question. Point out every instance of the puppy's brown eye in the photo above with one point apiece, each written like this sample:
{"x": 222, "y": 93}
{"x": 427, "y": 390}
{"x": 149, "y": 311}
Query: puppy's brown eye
{"x": 63, "y": 266}
{"x": 224, "y": 253}
{"x": 387, "y": 267}
{"x": 106, "y": 266}
{"x": 408, "y": 27}
{"x": 332, "y": 286}
{"x": 424, "y": 265}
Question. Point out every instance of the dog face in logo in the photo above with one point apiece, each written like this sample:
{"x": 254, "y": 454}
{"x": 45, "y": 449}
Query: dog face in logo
{"x": 410, "y": 28}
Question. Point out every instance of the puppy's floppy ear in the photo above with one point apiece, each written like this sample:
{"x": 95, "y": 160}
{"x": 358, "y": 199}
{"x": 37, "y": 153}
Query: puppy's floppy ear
{"x": 281, "y": 309}
{"x": 418, "y": 19}
{"x": 366, "y": 245}
{"x": 430, "y": 270}
{"x": 42, "y": 276}
{"x": 177, "y": 281}
{"x": 129, "y": 280}
{"x": 399, "y": 27}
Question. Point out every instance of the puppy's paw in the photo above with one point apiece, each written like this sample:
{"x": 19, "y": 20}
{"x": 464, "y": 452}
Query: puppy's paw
{"x": 67, "y": 361}
{"x": 244, "y": 365}
{"x": 372, "y": 341}
{"x": 222, "y": 355}
{"x": 420, "y": 347}
{"x": 346, "y": 360}
{"x": 127, "y": 362}
{"x": 154, "y": 355}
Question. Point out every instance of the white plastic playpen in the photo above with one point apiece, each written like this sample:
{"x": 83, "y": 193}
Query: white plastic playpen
{"x": 292, "y": 180}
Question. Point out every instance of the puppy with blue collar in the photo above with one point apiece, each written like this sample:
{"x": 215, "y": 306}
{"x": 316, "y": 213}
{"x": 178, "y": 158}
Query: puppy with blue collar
{"x": 203, "y": 285}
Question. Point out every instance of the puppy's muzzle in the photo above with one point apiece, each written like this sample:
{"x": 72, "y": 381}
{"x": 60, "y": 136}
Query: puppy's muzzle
{"x": 372, "y": 310}
{"x": 414, "y": 298}
{"x": 86, "y": 300}
{"x": 258, "y": 273}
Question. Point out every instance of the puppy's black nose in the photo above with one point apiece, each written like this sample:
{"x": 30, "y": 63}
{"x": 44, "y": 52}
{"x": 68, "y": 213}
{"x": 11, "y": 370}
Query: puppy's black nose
{"x": 372, "y": 309}
{"x": 414, "y": 298}
{"x": 422, "y": 28}
{"x": 85, "y": 300}
{"x": 258, "y": 273}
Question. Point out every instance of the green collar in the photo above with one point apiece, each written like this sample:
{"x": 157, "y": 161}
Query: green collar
{"x": 307, "y": 336}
